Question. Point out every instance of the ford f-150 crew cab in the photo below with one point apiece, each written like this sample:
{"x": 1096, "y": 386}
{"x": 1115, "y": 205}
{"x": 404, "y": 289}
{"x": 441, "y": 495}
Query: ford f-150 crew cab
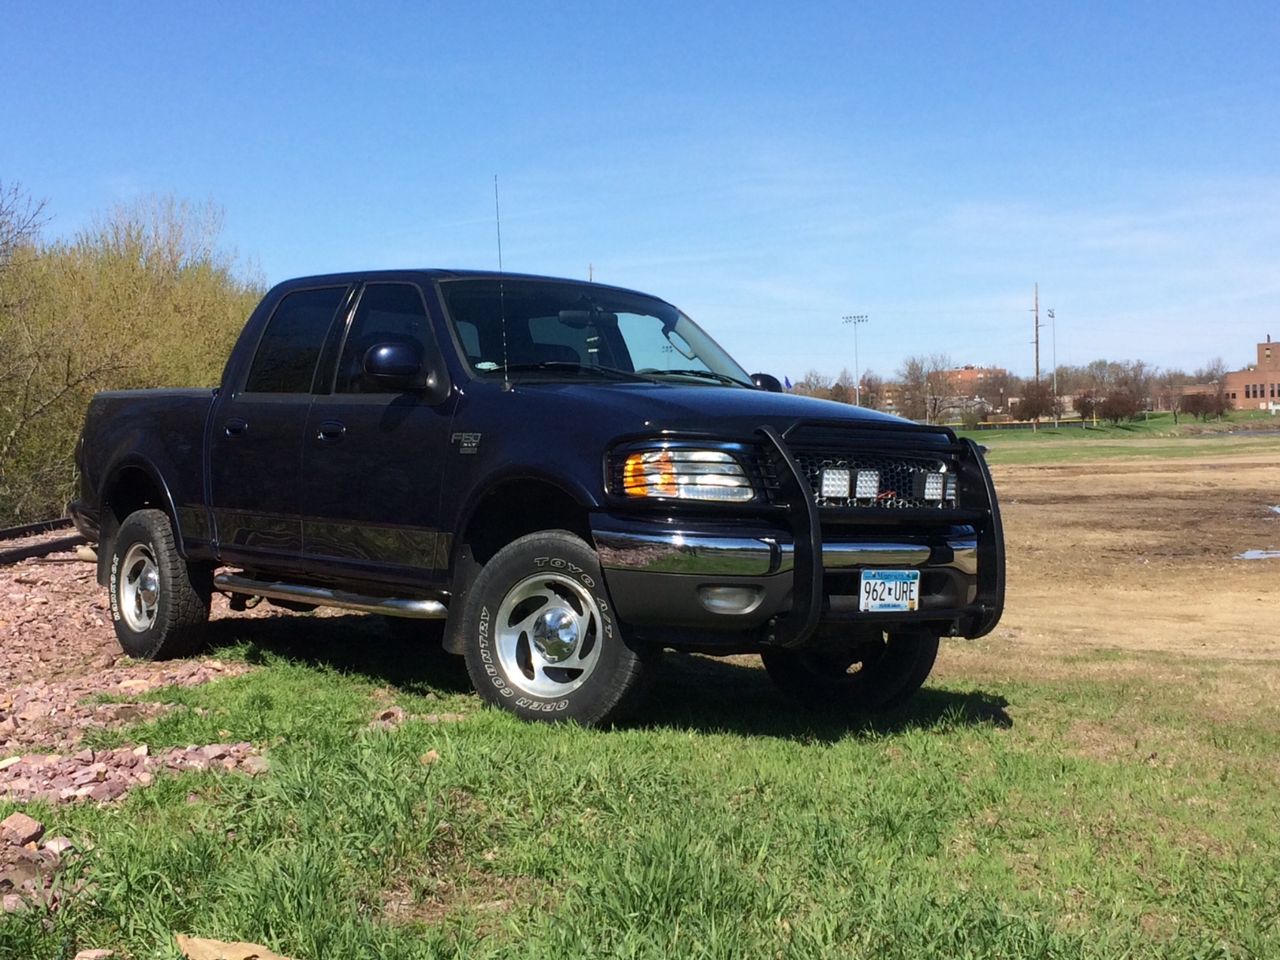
{"x": 573, "y": 476}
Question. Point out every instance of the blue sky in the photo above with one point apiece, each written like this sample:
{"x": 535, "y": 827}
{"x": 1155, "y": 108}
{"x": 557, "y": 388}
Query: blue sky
{"x": 766, "y": 168}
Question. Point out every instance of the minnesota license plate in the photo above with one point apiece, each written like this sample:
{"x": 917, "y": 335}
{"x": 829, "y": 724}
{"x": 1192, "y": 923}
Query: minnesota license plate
{"x": 889, "y": 590}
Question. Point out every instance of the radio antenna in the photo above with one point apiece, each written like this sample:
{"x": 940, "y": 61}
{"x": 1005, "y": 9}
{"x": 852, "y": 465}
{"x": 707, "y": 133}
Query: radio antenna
{"x": 502, "y": 303}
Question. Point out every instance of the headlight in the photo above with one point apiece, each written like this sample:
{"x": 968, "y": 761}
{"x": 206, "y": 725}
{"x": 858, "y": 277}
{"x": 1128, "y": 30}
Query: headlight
{"x": 685, "y": 475}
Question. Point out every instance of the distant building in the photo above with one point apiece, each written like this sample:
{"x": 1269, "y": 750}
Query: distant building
{"x": 967, "y": 388}
{"x": 1256, "y": 387}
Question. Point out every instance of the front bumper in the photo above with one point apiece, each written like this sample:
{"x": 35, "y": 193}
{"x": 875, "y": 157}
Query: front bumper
{"x": 718, "y": 582}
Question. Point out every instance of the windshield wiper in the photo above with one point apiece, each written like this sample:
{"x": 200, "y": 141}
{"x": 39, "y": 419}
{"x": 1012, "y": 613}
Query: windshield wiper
{"x": 705, "y": 375}
{"x": 568, "y": 366}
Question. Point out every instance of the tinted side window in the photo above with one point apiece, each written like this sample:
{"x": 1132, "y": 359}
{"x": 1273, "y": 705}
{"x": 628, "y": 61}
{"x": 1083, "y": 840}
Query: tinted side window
{"x": 287, "y": 354}
{"x": 388, "y": 313}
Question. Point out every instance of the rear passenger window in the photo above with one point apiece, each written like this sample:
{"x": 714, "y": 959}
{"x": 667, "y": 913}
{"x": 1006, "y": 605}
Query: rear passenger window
{"x": 287, "y": 353}
{"x": 388, "y": 313}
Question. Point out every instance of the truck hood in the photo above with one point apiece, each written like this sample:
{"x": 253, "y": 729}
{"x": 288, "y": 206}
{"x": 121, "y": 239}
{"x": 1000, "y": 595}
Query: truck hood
{"x": 661, "y": 406}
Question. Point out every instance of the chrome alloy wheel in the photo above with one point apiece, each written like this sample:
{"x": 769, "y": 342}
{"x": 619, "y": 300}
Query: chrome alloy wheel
{"x": 139, "y": 588}
{"x": 547, "y": 635}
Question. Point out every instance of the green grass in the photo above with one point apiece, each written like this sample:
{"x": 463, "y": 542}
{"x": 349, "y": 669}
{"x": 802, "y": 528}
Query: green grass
{"x": 722, "y": 823}
{"x": 1155, "y": 438}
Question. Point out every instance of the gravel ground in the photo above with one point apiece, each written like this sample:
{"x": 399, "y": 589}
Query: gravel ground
{"x": 58, "y": 655}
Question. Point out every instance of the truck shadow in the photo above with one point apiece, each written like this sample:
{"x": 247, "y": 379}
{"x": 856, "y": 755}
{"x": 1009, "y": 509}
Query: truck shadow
{"x": 712, "y": 695}
{"x": 405, "y": 654}
{"x": 690, "y": 692}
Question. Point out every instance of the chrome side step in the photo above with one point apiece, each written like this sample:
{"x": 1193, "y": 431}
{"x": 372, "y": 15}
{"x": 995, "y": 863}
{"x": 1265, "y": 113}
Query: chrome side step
{"x": 324, "y": 597}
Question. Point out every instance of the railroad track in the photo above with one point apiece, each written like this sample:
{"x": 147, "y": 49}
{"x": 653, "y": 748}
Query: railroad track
{"x": 43, "y": 548}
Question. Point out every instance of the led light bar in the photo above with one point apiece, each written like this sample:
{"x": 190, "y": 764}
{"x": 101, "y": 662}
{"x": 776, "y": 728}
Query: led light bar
{"x": 867, "y": 486}
{"x": 835, "y": 483}
{"x": 934, "y": 485}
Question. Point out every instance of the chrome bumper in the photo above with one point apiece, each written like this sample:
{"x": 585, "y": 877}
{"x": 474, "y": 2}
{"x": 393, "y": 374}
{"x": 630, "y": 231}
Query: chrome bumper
{"x": 712, "y": 556}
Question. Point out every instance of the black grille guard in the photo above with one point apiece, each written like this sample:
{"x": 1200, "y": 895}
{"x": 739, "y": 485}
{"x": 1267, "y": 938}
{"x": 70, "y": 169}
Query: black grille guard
{"x": 795, "y": 629}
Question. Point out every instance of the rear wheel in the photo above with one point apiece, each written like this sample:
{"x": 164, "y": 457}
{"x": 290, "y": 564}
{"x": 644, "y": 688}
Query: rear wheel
{"x": 159, "y": 603}
{"x": 541, "y": 638}
{"x": 873, "y": 675}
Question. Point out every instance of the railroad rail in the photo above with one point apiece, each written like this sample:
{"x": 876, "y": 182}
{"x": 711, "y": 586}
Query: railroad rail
{"x": 44, "y": 547}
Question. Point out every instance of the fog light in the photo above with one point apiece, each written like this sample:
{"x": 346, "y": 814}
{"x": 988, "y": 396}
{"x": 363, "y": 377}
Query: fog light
{"x": 835, "y": 483}
{"x": 731, "y": 600}
{"x": 868, "y": 486}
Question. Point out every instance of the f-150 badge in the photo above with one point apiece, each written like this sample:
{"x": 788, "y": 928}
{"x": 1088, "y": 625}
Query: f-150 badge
{"x": 467, "y": 442}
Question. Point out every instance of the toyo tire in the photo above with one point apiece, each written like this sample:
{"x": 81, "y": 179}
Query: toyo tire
{"x": 541, "y": 638}
{"x": 159, "y": 603}
{"x": 871, "y": 677}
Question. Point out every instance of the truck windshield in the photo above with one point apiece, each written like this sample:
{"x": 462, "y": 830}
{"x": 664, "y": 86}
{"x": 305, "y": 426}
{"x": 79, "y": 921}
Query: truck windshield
{"x": 562, "y": 330}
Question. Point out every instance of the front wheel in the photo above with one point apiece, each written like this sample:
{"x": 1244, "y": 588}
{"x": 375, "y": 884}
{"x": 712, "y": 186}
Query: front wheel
{"x": 872, "y": 675}
{"x": 542, "y": 640}
{"x": 159, "y": 604}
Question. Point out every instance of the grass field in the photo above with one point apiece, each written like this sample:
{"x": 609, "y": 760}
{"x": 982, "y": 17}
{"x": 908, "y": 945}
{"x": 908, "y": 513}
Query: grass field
{"x": 729, "y": 828}
{"x": 1098, "y": 779}
{"x": 1153, "y": 438}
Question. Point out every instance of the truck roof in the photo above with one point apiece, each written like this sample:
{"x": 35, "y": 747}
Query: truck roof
{"x": 442, "y": 273}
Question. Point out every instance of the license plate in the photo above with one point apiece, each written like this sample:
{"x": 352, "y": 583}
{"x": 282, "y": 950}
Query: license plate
{"x": 888, "y": 590}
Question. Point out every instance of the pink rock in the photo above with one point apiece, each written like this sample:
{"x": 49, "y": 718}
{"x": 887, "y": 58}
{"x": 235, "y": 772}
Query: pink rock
{"x": 12, "y": 903}
{"x": 254, "y": 766}
{"x": 95, "y": 955}
{"x": 107, "y": 790}
{"x": 59, "y": 845}
{"x": 20, "y": 829}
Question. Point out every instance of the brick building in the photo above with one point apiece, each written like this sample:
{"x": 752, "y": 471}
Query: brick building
{"x": 1256, "y": 387}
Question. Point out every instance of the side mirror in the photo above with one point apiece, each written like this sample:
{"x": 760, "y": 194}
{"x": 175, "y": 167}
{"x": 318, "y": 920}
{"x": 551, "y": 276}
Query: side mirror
{"x": 397, "y": 367}
{"x": 767, "y": 381}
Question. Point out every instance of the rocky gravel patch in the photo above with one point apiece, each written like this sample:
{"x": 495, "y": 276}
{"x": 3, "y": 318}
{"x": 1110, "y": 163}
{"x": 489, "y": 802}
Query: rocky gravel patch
{"x": 58, "y": 660}
{"x": 105, "y": 775}
{"x": 28, "y": 862}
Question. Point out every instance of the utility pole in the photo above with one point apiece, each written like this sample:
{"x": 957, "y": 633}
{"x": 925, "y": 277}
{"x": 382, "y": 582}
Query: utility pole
{"x": 1053, "y": 329}
{"x": 852, "y": 320}
{"x": 1035, "y": 423}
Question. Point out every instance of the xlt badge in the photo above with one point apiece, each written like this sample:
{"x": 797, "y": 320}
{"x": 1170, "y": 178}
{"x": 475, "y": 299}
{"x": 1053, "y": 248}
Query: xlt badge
{"x": 467, "y": 442}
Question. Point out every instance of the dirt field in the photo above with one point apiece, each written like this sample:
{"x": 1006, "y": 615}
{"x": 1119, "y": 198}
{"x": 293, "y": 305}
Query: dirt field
{"x": 1142, "y": 556}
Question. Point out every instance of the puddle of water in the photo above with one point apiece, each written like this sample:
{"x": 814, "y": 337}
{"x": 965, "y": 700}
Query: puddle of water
{"x": 1259, "y": 555}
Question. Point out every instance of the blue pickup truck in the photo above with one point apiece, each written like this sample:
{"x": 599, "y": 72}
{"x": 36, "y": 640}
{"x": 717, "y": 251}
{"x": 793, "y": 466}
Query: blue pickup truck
{"x": 572, "y": 476}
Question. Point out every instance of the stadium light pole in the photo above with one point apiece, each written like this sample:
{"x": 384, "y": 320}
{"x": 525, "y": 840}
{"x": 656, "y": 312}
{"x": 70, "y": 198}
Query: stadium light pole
{"x": 853, "y": 320}
{"x": 1053, "y": 329}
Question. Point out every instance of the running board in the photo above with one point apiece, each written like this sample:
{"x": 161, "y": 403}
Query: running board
{"x": 324, "y": 597}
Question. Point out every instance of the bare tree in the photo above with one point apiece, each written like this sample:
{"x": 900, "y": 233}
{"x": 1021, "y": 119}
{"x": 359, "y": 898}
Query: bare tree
{"x": 842, "y": 390}
{"x": 21, "y": 218}
{"x": 872, "y": 390}
{"x": 914, "y": 377}
{"x": 926, "y": 387}
{"x": 813, "y": 384}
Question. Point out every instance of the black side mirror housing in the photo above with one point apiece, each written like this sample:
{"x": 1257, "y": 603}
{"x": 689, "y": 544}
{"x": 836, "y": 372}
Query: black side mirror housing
{"x": 767, "y": 381}
{"x": 400, "y": 368}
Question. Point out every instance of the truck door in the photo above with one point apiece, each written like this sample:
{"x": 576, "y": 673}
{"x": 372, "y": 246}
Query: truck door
{"x": 372, "y": 460}
{"x": 256, "y": 433}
